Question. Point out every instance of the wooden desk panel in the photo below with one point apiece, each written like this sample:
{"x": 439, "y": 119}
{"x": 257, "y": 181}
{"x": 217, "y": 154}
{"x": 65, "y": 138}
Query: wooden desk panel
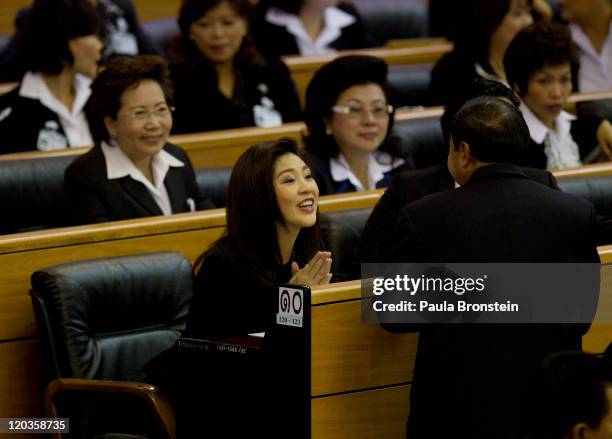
{"x": 348, "y": 354}
{"x": 374, "y": 414}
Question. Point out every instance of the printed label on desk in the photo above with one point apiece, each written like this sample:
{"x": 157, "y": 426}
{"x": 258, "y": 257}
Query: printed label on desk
{"x": 290, "y": 307}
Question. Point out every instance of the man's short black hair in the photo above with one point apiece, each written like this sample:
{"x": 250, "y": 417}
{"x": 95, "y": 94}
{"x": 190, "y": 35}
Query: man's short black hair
{"x": 535, "y": 47}
{"x": 495, "y": 130}
{"x": 570, "y": 389}
{"x": 480, "y": 87}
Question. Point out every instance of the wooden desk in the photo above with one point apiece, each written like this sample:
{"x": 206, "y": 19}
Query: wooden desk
{"x": 21, "y": 254}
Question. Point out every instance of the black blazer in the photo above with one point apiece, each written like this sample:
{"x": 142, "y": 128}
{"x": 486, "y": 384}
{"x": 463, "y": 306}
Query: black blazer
{"x": 479, "y": 376}
{"x": 23, "y": 120}
{"x": 377, "y": 238}
{"x": 200, "y": 105}
{"x": 229, "y": 299}
{"x": 328, "y": 186}
{"x": 97, "y": 199}
{"x": 275, "y": 41}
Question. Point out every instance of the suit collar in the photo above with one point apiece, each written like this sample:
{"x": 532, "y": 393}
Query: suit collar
{"x": 167, "y": 176}
{"x": 496, "y": 170}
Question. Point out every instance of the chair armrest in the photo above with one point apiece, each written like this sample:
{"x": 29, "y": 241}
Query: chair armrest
{"x": 151, "y": 395}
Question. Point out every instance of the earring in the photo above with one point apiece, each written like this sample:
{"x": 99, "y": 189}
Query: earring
{"x": 328, "y": 131}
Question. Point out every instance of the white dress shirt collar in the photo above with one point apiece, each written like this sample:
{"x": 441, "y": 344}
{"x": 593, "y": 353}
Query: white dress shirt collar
{"x": 379, "y": 163}
{"x": 73, "y": 120}
{"x": 118, "y": 165}
{"x": 559, "y": 146}
{"x": 334, "y": 19}
{"x": 537, "y": 129}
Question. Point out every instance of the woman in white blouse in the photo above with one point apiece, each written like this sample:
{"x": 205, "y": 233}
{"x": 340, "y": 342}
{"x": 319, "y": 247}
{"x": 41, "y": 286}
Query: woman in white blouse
{"x": 308, "y": 27}
{"x": 61, "y": 48}
{"x": 132, "y": 171}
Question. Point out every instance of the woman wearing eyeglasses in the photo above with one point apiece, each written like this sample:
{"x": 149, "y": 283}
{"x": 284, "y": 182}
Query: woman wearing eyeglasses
{"x": 349, "y": 120}
{"x": 132, "y": 171}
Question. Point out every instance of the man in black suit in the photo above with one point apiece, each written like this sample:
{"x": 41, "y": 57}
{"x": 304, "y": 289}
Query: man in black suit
{"x": 377, "y": 236}
{"x": 471, "y": 381}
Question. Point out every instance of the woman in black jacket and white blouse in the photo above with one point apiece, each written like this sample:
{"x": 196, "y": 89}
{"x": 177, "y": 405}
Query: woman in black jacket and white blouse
{"x": 220, "y": 80}
{"x": 132, "y": 171}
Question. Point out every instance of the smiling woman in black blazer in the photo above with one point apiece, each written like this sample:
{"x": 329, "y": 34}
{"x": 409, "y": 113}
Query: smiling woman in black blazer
{"x": 132, "y": 171}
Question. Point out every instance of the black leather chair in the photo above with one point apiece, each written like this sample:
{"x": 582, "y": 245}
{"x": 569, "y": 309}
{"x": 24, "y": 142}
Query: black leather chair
{"x": 163, "y": 33}
{"x": 340, "y": 231}
{"x": 33, "y": 197}
{"x": 410, "y": 84}
{"x": 99, "y": 322}
{"x": 214, "y": 183}
{"x": 597, "y": 189}
{"x": 32, "y": 194}
{"x": 423, "y": 139}
{"x": 393, "y": 19}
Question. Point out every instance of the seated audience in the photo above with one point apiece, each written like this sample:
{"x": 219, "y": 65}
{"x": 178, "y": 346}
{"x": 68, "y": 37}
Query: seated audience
{"x": 132, "y": 171}
{"x": 377, "y": 238}
{"x": 486, "y": 29}
{"x": 62, "y": 50}
{"x": 572, "y": 398}
{"x": 590, "y": 22}
{"x": 350, "y": 120}
{"x": 120, "y": 30}
{"x": 271, "y": 186}
{"x": 540, "y": 63}
{"x": 309, "y": 27}
{"x": 220, "y": 80}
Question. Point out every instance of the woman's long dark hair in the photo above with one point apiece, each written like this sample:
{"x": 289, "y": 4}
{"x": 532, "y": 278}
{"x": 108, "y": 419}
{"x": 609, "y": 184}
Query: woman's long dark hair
{"x": 253, "y": 212}
{"x": 478, "y": 20}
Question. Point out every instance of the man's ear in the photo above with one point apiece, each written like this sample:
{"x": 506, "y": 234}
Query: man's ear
{"x": 465, "y": 154}
{"x": 579, "y": 431}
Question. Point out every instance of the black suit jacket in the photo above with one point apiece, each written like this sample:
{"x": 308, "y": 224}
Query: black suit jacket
{"x": 200, "y": 105}
{"x": 328, "y": 186}
{"x": 275, "y": 41}
{"x": 478, "y": 376}
{"x": 97, "y": 199}
{"x": 21, "y": 121}
{"x": 377, "y": 238}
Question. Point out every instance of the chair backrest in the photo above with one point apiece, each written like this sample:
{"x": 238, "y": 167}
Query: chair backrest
{"x": 410, "y": 84}
{"x": 423, "y": 138}
{"x": 393, "y": 19}
{"x": 32, "y": 194}
{"x": 214, "y": 183}
{"x": 595, "y": 188}
{"x": 340, "y": 231}
{"x": 33, "y": 197}
{"x": 163, "y": 33}
{"x": 106, "y": 318}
